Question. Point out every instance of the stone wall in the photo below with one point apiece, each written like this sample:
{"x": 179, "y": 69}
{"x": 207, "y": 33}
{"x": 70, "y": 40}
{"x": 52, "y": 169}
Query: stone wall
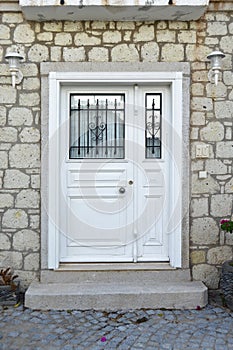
{"x": 211, "y": 123}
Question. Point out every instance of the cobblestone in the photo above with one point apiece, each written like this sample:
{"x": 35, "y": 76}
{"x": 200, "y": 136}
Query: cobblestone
{"x": 206, "y": 329}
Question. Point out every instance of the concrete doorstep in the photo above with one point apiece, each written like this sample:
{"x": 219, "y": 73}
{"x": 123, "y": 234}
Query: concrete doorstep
{"x": 116, "y": 296}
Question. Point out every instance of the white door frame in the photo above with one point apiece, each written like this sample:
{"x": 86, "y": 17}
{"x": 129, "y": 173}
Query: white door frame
{"x": 59, "y": 79}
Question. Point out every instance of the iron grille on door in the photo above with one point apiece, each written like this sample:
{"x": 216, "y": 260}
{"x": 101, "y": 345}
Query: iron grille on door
{"x": 153, "y": 103}
{"x": 97, "y": 126}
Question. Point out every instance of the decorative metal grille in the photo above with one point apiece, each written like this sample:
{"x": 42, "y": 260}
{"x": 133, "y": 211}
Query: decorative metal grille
{"x": 97, "y": 126}
{"x": 153, "y": 112}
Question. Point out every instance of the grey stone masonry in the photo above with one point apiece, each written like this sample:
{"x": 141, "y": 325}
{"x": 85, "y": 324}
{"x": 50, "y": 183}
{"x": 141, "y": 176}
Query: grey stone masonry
{"x": 211, "y": 116}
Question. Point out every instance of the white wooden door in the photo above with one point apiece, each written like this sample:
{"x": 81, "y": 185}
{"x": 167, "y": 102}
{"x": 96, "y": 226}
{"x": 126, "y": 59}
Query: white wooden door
{"x": 114, "y": 157}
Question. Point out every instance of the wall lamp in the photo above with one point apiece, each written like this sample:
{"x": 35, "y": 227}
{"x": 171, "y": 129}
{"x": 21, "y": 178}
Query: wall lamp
{"x": 13, "y": 59}
{"x": 215, "y": 58}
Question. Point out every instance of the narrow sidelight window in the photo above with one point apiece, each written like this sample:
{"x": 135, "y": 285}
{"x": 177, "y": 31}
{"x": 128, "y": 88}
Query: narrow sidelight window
{"x": 153, "y": 116}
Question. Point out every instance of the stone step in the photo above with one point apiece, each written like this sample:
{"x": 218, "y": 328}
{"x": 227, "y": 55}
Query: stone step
{"x": 116, "y": 296}
{"x": 108, "y": 273}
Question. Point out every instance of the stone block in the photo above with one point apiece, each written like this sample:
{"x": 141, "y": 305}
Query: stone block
{"x": 197, "y": 52}
{"x": 166, "y": 36}
{"x": 228, "y": 134}
{"x": 224, "y": 149}
{"x": 16, "y": 260}
{"x": 214, "y": 131}
{"x": 25, "y": 156}
{"x": 223, "y": 109}
{"x": 194, "y": 133}
{"x": 198, "y": 118}
{"x": 144, "y": 31}
{"x": 197, "y": 165}
{"x": 31, "y": 83}
{"x": 217, "y": 255}
{"x": 45, "y": 36}
{"x": 220, "y": 90}
{"x": 216, "y": 28}
{"x": 150, "y": 52}
{"x": 125, "y": 25}
{"x": 215, "y": 166}
{"x": 30, "y": 70}
{"x": 187, "y": 36}
{"x": 15, "y": 218}
{"x": 98, "y": 54}
{"x": 63, "y": 39}
{"x": 34, "y": 221}
{"x": 207, "y": 274}
{"x": 4, "y": 32}
{"x": 172, "y": 53}
{"x": 229, "y": 238}
{"x": 27, "y": 199}
{"x": 204, "y": 231}
{"x": 83, "y": 39}
{"x": 198, "y": 257}
{"x": 12, "y": 18}
{"x": 124, "y": 53}
{"x": 8, "y": 134}
{"x": 30, "y": 135}
{"x": 56, "y": 54}
{"x": 226, "y": 44}
{"x": 74, "y": 26}
{"x": 197, "y": 89}
{"x": 199, "y": 207}
{"x": 2, "y": 115}
{"x": 38, "y": 53}
{"x": 177, "y": 25}
{"x": 221, "y": 205}
{"x": 5, "y": 243}
{"x": 3, "y": 160}
{"x": 26, "y": 240}
{"x": 31, "y": 262}
{"x": 24, "y": 34}
{"x": 53, "y": 26}
{"x": 112, "y": 36}
{"x": 6, "y": 201}
{"x": 29, "y": 99}
{"x": 16, "y": 179}
{"x": 202, "y": 104}
{"x": 74, "y": 54}
{"x": 201, "y": 186}
{"x": 7, "y": 95}
{"x": 200, "y": 76}
{"x": 229, "y": 186}
{"x": 35, "y": 181}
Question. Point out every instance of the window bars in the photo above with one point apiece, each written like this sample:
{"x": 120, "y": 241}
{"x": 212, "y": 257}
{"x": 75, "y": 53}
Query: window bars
{"x": 97, "y": 126}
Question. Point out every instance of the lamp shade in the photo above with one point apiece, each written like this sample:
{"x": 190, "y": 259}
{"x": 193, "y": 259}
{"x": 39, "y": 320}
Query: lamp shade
{"x": 13, "y": 59}
{"x": 215, "y": 58}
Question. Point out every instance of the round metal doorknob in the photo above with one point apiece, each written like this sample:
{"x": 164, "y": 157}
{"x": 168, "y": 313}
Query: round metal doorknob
{"x": 122, "y": 190}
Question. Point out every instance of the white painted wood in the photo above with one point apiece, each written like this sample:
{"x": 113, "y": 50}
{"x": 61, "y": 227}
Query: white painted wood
{"x": 147, "y": 248}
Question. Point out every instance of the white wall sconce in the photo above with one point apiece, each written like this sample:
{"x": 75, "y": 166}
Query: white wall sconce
{"x": 215, "y": 58}
{"x": 13, "y": 59}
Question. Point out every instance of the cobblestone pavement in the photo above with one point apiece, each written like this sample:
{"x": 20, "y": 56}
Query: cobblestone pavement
{"x": 209, "y": 328}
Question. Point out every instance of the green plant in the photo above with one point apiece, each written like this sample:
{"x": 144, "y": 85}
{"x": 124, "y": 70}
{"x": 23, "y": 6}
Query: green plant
{"x": 227, "y": 225}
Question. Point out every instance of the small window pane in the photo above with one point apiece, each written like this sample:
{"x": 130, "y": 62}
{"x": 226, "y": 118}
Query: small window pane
{"x": 97, "y": 126}
{"x": 153, "y": 125}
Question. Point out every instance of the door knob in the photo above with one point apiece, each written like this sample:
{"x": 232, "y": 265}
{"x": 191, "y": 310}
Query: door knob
{"x": 130, "y": 182}
{"x": 122, "y": 190}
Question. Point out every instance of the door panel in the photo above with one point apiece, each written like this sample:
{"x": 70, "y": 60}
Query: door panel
{"x": 115, "y": 179}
